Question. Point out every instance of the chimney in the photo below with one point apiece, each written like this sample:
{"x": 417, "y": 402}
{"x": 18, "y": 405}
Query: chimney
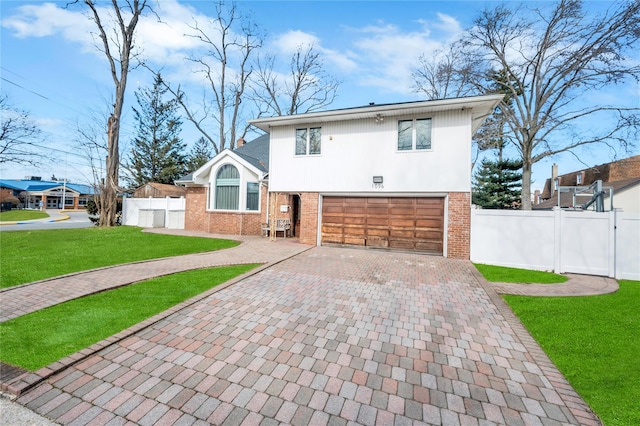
{"x": 536, "y": 196}
{"x": 240, "y": 142}
{"x": 554, "y": 171}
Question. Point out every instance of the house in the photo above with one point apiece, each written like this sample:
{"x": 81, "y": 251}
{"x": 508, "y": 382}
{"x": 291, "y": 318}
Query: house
{"x": 394, "y": 176}
{"x": 34, "y": 193}
{"x": 228, "y": 194}
{"x": 159, "y": 190}
{"x": 620, "y": 178}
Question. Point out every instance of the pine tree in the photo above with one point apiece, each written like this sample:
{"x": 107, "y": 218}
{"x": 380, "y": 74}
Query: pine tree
{"x": 157, "y": 154}
{"x": 498, "y": 184}
{"x": 199, "y": 155}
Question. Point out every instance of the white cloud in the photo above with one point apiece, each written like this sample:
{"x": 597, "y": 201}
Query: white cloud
{"x": 48, "y": 19}
{"x": 389, "y": 54}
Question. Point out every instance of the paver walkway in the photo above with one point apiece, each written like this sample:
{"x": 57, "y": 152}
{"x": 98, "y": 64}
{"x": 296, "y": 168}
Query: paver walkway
{"x": 329, "y": 336}
{"x": 576, "y": 285}
{"x": 21, "y": 300}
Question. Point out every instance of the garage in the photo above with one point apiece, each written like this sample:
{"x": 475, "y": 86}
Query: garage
{"x": 407, "y": 223}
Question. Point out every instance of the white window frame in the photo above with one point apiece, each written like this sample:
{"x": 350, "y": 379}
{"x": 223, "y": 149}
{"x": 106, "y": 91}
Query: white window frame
{"x": 307, "y": 151}
{"x": 414, "y": 135}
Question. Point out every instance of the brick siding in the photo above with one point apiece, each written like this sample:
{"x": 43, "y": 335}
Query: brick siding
{"x": 459, "y": 226}
{"x": 197, "y": 218}
{"x": 309, "y": 218}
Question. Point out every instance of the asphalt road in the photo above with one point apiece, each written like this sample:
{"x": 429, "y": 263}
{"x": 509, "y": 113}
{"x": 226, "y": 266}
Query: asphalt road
{"x": 76, "y": 220}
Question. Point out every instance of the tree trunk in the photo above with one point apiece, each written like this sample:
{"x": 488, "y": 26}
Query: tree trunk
{"x": 525, "y": 196}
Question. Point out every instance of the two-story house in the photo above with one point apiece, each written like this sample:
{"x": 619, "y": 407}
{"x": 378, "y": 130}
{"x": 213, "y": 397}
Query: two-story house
{"x": 394, "y": 176}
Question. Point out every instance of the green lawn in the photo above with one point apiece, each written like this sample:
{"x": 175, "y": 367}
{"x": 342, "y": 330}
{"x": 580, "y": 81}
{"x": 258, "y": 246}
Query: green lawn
{"x": 595, "y": 342}
{"x": 35, "y": 340}
{"x": 19, "y": 215}
{"x": 514, "y": 275}
{"x": 27, "y": 256}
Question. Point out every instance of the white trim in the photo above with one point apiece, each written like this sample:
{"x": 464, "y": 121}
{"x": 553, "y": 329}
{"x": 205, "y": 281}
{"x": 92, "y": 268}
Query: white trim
{"x": 480, "y": 106}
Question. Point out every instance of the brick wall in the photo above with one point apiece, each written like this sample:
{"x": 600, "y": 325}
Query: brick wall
{"x": 197, "y": 218}
{"x": 459, "y": 227}
{"x": 309, "y": 218}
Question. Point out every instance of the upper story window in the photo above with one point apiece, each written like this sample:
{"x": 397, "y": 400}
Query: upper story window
{"x": 308, "y": 141}
{"x": 227, "y": 188}
{"x": 579, "y": 179}
{"x": 414, "y": 134}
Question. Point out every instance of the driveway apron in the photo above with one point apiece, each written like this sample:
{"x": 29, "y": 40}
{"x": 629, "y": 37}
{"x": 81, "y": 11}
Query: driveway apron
{"x": 330, "y": 336}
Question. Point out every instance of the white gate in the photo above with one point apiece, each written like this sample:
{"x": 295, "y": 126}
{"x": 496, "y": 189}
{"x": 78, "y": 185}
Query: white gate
{"x": 582, "y": 242}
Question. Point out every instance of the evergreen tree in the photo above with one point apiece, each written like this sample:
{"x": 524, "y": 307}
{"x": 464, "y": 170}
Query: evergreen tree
{"x": 157, "y": 154}
{"x": 199, "y": 155}
{"x": 498, "y": 184}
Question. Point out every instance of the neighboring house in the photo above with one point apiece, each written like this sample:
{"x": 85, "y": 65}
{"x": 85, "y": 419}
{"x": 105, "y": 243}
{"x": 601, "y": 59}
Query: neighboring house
{"x": 385, "y": 176}
{"x": 622, "y": 177}
{"x": 159, "y": 190}
{"x": 34, "y": 193}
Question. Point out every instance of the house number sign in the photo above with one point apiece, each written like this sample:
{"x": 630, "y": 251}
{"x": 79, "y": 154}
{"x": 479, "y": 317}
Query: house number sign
{"x": 377, "y": 182}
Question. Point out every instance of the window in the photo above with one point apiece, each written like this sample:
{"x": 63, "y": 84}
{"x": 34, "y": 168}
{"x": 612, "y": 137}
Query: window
{"x": 414, "y": 134}
{"x": 579, "y": 179}
{"x": 227, "y": 188}
{"x": 308, "y": 141}
{"x": 253, "y": 196}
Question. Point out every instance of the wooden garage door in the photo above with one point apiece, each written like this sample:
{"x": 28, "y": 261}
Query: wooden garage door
{"x": 384, "y": 222}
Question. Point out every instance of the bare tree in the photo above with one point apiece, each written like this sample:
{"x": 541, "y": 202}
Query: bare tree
{"x": 552, "y": 59}
{"x": 18, "y": 135}
{"x": 229, "y": 42}
{"x": 306, "y": 88}
{"x": 116, "y": 43}
{"x": 446, "y": 73}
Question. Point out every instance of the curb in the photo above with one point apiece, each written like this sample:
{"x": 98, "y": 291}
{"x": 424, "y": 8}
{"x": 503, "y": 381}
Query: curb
{"x": 46, "y": 220}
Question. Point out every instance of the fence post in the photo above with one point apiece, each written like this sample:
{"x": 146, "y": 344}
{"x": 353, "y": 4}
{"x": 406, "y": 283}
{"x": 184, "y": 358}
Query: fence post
{"x": 612, "y": 243}
{"x": 557, "y": 240}
{"x": 124, "y": 210}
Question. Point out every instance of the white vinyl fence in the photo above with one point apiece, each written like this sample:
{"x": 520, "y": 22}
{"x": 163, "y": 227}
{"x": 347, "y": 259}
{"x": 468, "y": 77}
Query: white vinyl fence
{"x": 582, "y": 242}
{"x": 154, "y": 212}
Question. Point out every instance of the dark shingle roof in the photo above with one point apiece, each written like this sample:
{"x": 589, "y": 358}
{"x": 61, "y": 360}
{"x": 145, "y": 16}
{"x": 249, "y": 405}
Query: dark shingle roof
{"x": 256, "y": 152}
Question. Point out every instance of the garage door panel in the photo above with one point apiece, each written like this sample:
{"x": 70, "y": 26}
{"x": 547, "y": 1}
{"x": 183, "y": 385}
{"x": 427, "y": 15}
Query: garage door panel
{"x": 429, "y": 223}
{"x": 402, "y": 223}
{"x": 377, "y": 210}
{"x": 377, "y": 232}
{"x": 402, "y": 211}
{"x": 402, "y": 244}
{"x": 351, "y": 220}
{"x": 354, "y": 241}
{"x": 429, "y": 246}
{"x": 377, "y": 221}
{"x": 400, "y": 234}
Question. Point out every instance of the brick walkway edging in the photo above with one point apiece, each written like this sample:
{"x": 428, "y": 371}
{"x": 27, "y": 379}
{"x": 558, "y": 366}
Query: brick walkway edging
{"x": 578, "y": 407}
{"x": 24, "y": 382}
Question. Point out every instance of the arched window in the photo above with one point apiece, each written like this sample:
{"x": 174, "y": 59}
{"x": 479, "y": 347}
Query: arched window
{"x": 227, "y": 188}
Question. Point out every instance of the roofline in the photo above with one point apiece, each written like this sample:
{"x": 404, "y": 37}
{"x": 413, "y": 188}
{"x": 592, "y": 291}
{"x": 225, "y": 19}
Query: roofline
{"x": 209, "y": 164}
{"x": 486, "y": 103}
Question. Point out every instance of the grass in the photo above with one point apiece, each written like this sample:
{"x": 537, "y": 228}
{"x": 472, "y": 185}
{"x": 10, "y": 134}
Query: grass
{"x": 595, "y": 342}
{"x": 27, "y": 256}
{"x": 35, "y": 340}
{"x": 514, "y": 275}
{"x": 19, "y": 215}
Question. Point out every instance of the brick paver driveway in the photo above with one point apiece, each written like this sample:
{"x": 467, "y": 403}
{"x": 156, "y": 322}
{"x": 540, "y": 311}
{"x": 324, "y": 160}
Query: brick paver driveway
{"x": 329, "y": 336}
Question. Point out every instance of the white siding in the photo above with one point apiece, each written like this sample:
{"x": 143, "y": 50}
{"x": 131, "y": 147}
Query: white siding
{"x": 355, "y": 151}
{"x": 628, "y": 200}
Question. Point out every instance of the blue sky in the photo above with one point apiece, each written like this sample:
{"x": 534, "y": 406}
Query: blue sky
{"x": 50, "y": 67}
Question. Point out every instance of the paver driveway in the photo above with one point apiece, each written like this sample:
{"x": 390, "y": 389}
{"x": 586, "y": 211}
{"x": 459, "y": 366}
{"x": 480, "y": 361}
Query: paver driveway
{"x": 329, "y": 336}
